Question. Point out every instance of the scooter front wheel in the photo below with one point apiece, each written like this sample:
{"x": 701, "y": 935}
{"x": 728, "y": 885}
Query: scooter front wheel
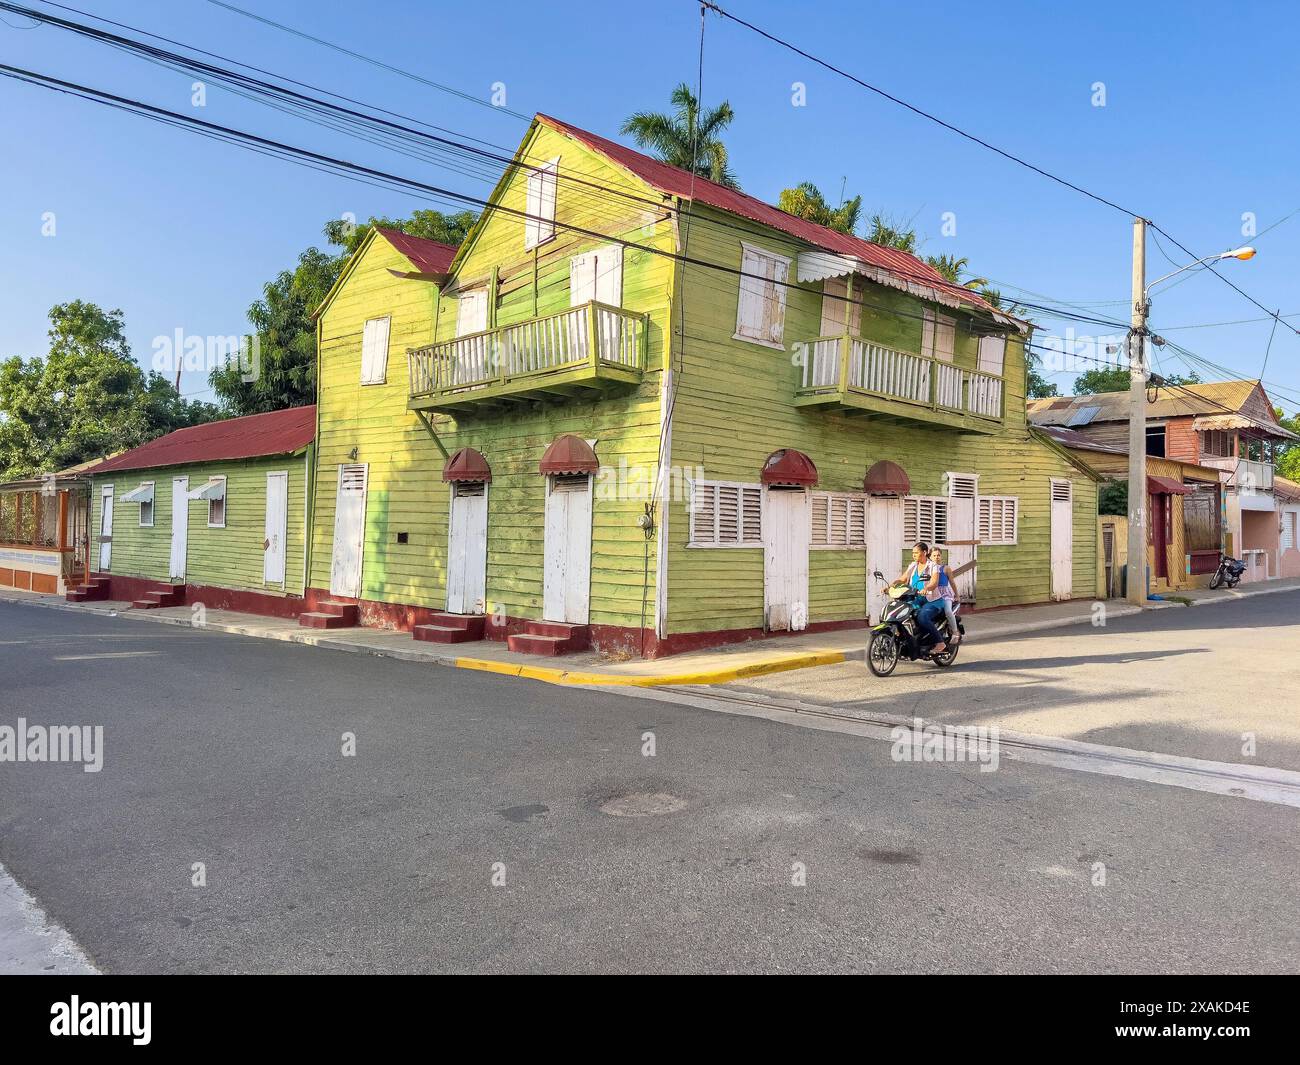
{"x": 882, "y": 653}
{"x": 1217, "y": 579}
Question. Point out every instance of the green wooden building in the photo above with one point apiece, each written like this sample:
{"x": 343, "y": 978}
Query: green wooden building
{"x": 216, "y": 514}
{"x": 643, "y": 412}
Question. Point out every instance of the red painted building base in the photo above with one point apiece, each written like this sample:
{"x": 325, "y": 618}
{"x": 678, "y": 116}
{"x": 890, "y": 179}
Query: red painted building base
{"x": 211, "y": 596}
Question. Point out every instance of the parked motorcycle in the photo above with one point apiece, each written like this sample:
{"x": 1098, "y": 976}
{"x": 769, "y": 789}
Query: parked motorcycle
{"x": 1229, "y": 572}
{"x": 899, "y": 636}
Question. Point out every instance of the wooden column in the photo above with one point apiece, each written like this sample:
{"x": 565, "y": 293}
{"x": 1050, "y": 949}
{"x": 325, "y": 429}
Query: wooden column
{"x": 63, "y": 519}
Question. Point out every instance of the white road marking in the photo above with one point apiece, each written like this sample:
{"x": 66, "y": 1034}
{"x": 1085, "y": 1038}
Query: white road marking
{"x": 106, "y": 654}
{"x": 1258, "y": 783}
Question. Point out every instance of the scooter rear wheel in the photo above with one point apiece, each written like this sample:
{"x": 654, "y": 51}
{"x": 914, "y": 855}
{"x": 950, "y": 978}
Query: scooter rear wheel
{"x": 947, "y": 658}
{"x": 882, "y": 653}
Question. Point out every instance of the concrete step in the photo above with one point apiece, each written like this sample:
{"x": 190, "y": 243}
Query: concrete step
{"x": 472, "y": 623}
{"x": 581, "y": 634}
{"x": 349, "y": 612}
{"x": 145, "y": 604}
{"x": 317, "y": 620}
{"x": 527, "y": 644}
{"x": 444, "y": 634}
{"x": 160, "y": 598}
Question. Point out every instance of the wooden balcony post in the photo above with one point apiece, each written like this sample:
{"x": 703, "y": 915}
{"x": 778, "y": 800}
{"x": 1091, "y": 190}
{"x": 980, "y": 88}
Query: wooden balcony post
{"x": 846, "y": 349}
{"x": 63, "y": 519}
{"x": 593, "y": 335}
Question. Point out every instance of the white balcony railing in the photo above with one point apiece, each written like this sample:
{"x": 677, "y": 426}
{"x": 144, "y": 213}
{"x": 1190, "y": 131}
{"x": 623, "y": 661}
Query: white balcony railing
{"x": 848, "y": 364}
{"x": 589, "y": 334}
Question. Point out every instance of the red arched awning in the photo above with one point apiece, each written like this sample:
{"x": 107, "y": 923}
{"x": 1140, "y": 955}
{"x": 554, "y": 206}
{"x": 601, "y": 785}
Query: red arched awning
{"x": 790, "y": 467}
{"x": 887, "y": 478}
{"x": 569, "y": 454}
{"x": 467, "y": 465}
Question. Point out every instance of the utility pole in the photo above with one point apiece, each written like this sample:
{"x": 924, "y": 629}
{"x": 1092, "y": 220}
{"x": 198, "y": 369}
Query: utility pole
{"x": 1137, "y": 424}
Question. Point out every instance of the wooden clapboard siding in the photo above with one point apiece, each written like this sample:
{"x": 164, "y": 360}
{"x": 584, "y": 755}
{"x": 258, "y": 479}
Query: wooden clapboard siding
{"x": 230, "y": 557}
{"x": 406, "y": 492}
{"x": 734, "y": 407}
{"x": 837, "y": 585}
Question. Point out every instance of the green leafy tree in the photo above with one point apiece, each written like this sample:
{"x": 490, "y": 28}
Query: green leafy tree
{"x": 686, "y": 138}
{"x": 1288, "y": 460}
{"x": 1112, "y": 498}
{"x": 87, "y": 397}
{"x": 282, "y": 319}
{"x": 1116, "y": 379}
{"x": 807, "y": 202}
{"x": 951, "y": 268}
{"x": 891, "y": 233}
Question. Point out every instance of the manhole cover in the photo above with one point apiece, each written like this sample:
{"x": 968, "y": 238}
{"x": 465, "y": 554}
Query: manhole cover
{"x": 642, "y": 804}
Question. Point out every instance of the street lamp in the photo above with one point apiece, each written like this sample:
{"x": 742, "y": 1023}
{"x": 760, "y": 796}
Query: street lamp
{"x": 1237, "y": 253}
{"x": 1137, "y": 424}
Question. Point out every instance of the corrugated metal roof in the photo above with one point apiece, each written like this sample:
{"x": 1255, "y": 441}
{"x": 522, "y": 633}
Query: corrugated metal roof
{"x": 1209, "y": 397}
{"x": 677, "y": 182}
{"x": 1069, "y": 438}
{"x": 427, "y": 256}
{"x": 277, "y": 433}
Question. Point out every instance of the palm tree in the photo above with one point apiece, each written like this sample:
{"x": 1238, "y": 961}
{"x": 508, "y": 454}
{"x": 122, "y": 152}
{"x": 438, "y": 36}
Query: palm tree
{"x": 951, "y": 269}
{"x": 686, "y": 139}
{"x": 890, "y": 233}
{"x": 807, "y": 202}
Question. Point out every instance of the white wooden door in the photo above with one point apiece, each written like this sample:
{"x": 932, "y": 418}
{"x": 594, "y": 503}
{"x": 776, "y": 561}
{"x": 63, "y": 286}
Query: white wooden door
{"x": 277, "y": 527}
{"x": 884, "y": 549}
{"x": 106, "y": 526}
{"x": 467, "y": 549}
{"x": 566, "y": 586}
{"x": 180, "y": 527}
{"x": 963, "y": 490}
{"x": 1062, "y": 540}
{"x": 787, "y": 530}
{"x": 349, "y": 530}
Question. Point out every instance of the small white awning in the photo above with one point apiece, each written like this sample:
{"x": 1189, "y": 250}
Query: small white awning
{"x": 142, "y": 494}
{"x": 214, "y": 489}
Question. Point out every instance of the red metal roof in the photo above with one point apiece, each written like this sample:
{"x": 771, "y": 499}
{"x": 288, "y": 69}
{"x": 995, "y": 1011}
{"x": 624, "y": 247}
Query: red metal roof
{"x": 427, "y": 256}
{"x": 789, "y": 466}
{"x": 678, "y": 182}
{"x": 569, "y": 454}
{"x": 277, "y": 433}
{"x": 1165, "y": 486}
{"x": 467, "y": 465}
{"x": 887, "y": 478}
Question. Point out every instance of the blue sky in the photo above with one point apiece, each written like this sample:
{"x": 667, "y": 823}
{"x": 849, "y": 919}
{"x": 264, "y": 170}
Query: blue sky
{"x": 1196, "y": 131}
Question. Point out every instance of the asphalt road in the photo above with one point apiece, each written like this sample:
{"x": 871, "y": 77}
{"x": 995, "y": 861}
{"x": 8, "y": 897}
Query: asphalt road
{"x": 1217, "y": 682}
{"x": 227, "y": 751}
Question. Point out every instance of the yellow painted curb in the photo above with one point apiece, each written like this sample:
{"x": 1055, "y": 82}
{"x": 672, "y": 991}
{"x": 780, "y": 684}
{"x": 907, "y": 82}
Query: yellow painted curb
{"x": 716, "y": 676}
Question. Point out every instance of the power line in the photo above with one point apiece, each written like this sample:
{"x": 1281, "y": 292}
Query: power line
{"x": 369, "y": 59}
{"x": 781, "y": 42}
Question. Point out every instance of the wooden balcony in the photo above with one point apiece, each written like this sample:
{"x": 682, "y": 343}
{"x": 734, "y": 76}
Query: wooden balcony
{"x": 856, "y": 376}
{"x": 587, "y": 351}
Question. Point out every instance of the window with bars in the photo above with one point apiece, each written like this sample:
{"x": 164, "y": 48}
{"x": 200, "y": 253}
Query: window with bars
{"x": 925, "y": 518}
{"x": 726, "y": 514}
{"x": 839, "y": 520}
{"x": 996, "y": 519}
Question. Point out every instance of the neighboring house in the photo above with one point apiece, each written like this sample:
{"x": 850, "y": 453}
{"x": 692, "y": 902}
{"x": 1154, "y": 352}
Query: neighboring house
{"x": 1228, "y": 425}
{"x": 1186, "y": 527}
{"x": 43, "y": 523}
{"x": 1288, "y": 498}
{"x": 594, "y": 439}
{"x": 214, "y": 514}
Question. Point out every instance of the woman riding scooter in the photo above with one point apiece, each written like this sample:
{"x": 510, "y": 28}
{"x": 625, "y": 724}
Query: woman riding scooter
{"x": 923, "y": 578}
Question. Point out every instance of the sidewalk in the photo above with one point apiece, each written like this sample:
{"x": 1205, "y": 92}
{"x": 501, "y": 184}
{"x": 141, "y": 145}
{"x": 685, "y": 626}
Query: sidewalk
{"x": 716, "y": 666}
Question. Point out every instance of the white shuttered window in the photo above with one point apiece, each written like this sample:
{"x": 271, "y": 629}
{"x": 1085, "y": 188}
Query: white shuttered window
{"x": 471, "y": 312}
{"x": 996, "y": 521}
{"x": 597, "y": 275}
{"x": 925, "y": 518}
{"x": 938, "y": 335}
{"x": 539, "y": 205}
{"x": 993, "y": 351}
{"x": 760, "y": 312}
{"x": 726, "y": 514}
{"x": 839, "y": 520}
{"x": 374, "y": 351}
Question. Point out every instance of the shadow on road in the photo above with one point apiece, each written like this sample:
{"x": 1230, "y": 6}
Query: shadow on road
{"x": 996, "y": 665}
